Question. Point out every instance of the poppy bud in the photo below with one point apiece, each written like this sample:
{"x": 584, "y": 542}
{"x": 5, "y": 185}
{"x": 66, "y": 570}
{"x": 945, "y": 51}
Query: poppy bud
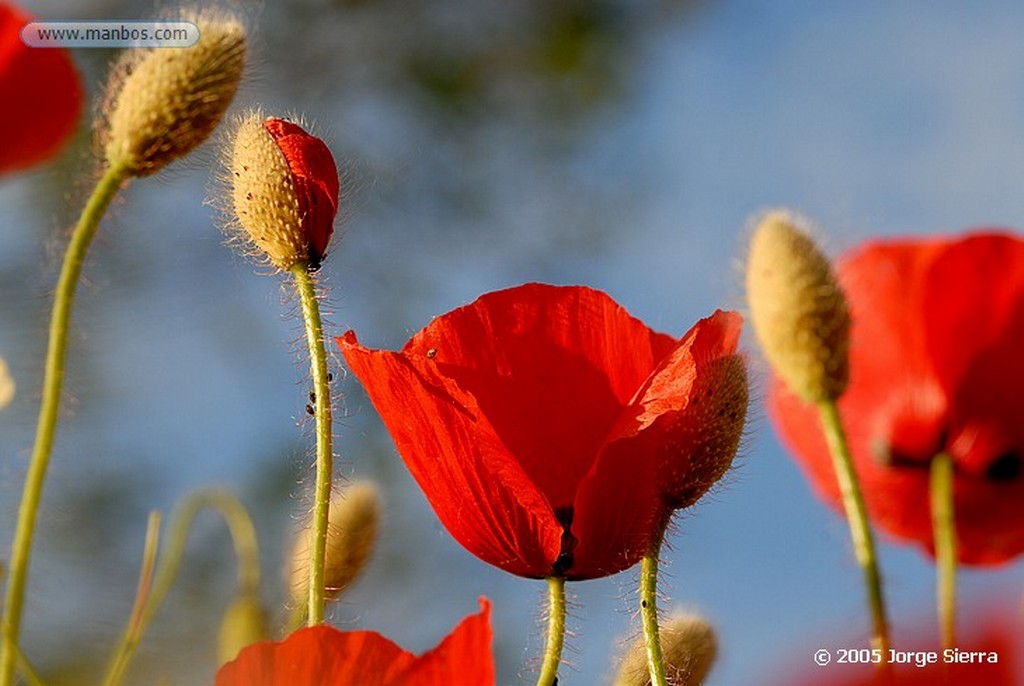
{"x": 245, "y": 622}
{"x": 7, "y": 386}
{"x": 688, "y": 646}
{"x": 798, "y": 310}
{"x": 284, "y": 190}
{"x": 163, "y": 102}
{"x": 351, "y": 535}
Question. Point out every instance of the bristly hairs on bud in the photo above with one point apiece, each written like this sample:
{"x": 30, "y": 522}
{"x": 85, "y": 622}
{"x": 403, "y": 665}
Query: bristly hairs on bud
{"x": 689, "y": 647}
{"x": 161, "y": 103}
{"x": 797, "y": 308}
{"x": 351, "y": 537}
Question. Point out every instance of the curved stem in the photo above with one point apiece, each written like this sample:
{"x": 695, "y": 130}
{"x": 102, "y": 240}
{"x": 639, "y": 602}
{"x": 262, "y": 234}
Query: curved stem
{"x": 133, "y": 633}
{"x": 857, "y": 517}
{"x": 649, "y": 611}
{"x": 56, "y": 352}
{"x": 944, "y": 527}
{"x": 243, "y": 534}
{"x": 306, "y": 288}
{"x": 556, "y": 632}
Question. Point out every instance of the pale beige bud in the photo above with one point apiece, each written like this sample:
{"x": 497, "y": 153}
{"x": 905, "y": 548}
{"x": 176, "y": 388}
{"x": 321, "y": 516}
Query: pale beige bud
{"x": 245, "y": 622}
{"x": 7, "y": 386}
{"x": 351, "y": 535}
{"x": 162, "y": 103}
{"x": 264, "y": 198}
{"x": 689, "y": 649}
{"x": 798, "y": 309}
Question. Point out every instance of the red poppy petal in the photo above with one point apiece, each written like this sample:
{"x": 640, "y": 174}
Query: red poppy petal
{"x": 324, "y": 656}
{"x": 41, "y": 92}
{"x": 476, "y": 487}
{"x": 464, "y": 657}
{"x": 974, "y": 299}
{"x": 658, "y": 455}
{"x": 315, "y": 176}
{"x": 551, "y": 369}
{"x": 319, "y": 655}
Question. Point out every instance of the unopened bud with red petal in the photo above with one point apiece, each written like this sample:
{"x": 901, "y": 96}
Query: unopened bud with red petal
{"x": 351, "y": 535}
{"x": 162, "y": 103}
{"x": 798, "y": 310}
{"x": 284, "y": 190}
{"x": 689, "y": 649}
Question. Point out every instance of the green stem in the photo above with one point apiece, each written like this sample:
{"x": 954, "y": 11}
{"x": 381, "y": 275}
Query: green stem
{"x": 306, "y": 288}
{"x": 133, "y": 633}
{"x": 27, "y": 671}
{"x": 243, "y": 534}
{"x": 649, "y": 611}
{"x": 21, "y": 547}
{"x": 857, "y": 517}
{"x": 556, "y": 632}
{"x": 944, "y": 526}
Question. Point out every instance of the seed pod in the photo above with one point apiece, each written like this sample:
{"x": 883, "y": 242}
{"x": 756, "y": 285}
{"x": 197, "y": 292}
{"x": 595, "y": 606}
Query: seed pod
{"x": 688, "y": 646}
{"x": 284, "y": 190}
{"x": 351, "y": 535}
{"x": 798, "y": 310}
{"x": 161, "y": 103}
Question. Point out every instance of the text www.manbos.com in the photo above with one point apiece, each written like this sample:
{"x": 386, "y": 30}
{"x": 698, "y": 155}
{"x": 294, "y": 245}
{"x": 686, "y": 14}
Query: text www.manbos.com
{"x": 110, "y": 34}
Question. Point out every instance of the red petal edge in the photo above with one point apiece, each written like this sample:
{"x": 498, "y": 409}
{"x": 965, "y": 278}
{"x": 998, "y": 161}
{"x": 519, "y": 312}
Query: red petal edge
{"x": 324, "y": 656}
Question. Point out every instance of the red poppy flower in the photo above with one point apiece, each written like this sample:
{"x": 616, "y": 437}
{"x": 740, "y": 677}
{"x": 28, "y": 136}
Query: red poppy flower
{"x": 316, "y": 182}
{"x": 324, "y": 656}
{"x": 935, "y": 365}
{"x": 41, "y": 92}
{"x": 551, "y": 431}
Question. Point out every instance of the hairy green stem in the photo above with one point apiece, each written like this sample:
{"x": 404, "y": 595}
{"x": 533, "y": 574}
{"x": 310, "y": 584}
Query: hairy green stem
{"x": 556, "y": 632}
{"x": 649, "y": 611}
{"x": 306, "y": 288}
{"x": 857, "y": 517}
{"x": 56, "y": 352}
{"x": 243, "y": 534}
{"x": 944, "y": 528}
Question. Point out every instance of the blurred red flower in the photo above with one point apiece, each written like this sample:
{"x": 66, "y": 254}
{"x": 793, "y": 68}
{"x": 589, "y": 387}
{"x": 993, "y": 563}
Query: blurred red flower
{"x": 551, "y": 431}
{"x": 935, "y": 365}
{"x": 41, "y": 94}
{"x": 324, "y": 656}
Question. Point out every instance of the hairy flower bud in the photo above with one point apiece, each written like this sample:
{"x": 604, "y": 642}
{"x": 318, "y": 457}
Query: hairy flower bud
{"x": 351, "y": 535}
{"x": 688, "y": 646}
{"x": 163, "y": 102}
{"x": 284, "y": 190}
{"x": 245, "y": 622}
{"x": 798, "y": 310}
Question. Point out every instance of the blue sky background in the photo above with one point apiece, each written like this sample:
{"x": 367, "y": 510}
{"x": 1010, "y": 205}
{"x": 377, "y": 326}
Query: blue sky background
{"x": 871, "y": 118}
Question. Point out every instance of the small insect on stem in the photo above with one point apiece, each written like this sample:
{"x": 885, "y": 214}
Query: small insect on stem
{"x": 311, "y": 405}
